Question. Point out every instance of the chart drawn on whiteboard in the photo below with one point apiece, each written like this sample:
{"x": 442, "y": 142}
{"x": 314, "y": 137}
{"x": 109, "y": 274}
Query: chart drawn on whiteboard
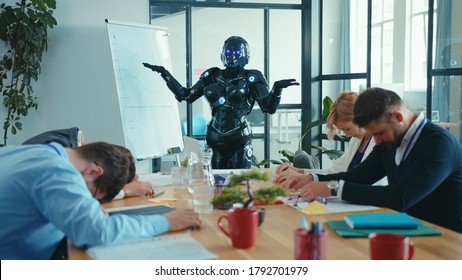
{"x": 149, "y": 111}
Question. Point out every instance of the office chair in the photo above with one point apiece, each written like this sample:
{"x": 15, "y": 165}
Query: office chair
{"x": 68, "y": 137}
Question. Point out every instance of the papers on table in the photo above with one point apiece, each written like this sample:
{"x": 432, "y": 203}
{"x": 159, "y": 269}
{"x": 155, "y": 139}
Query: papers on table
{"x": 168, "y": 247}
{"x": 156, "y": 179}
{"x": 334, "y": 205}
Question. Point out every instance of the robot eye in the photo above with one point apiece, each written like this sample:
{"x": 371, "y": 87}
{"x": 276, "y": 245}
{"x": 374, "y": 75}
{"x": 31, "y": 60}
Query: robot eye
{"x": 238, "y": 52}
{"x": 228, "y": 51}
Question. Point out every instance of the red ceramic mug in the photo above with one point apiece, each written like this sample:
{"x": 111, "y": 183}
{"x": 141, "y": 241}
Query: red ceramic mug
{"x": 387, "y": 246}
{"x": 242, "y": 226}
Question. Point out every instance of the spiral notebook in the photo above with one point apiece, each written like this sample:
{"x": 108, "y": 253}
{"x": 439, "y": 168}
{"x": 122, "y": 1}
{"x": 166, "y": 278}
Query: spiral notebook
{"x": 166, "y": 247}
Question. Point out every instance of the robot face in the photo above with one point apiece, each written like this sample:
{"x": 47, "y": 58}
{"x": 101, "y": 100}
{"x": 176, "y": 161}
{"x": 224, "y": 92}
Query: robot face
{"x": 235, "y": 52}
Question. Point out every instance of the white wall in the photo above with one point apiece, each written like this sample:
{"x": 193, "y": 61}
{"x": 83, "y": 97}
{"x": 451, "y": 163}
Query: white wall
{"x": 77, "y": 84}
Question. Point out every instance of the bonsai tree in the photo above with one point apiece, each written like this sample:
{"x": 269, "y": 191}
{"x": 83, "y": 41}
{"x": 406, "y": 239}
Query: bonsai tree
{"x": 300, "y": 158}
{"x": 24, "y": 28}
{"x": 233, "y": 193}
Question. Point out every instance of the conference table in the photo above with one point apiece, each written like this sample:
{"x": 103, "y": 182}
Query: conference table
{"x": 275, "y": 237}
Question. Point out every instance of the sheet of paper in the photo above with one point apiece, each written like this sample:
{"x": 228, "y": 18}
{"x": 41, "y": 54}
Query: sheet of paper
{"x": 191, "y": 145}
{"x": 156, "y": 179}
{"x": 163, "y": 199}
{"x": 314, "y": 207}
{"x": 334, "y": 205}
{"x": 167, "y": 247}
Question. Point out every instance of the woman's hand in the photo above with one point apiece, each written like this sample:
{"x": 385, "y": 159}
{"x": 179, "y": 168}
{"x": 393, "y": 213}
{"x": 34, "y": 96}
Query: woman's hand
{"x": 285, "y": 171}
{"x": 296, "y": 182}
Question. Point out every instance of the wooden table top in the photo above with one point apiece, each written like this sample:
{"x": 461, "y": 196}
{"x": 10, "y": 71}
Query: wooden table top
{"x": 274, "y": 238}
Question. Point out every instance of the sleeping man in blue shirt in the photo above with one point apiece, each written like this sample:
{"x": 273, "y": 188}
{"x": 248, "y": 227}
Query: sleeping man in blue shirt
{"x": 48, "y": 192}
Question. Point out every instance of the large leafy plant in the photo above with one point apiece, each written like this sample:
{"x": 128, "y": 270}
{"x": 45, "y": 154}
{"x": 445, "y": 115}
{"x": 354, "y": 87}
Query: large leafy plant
{"x": 24, "y": 28}
{"x": 301, "y": 158}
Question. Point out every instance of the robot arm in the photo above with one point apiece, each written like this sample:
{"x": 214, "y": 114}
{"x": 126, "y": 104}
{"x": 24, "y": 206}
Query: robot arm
{"x": 268, "y": 101}
{"x": 181, "y": 93}
{"x": 275, "y": 94}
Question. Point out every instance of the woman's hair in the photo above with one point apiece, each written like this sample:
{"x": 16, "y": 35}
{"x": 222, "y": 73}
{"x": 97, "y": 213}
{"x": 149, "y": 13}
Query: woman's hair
{"x": 117, "y": 163}
{"x": 341, "y": 110}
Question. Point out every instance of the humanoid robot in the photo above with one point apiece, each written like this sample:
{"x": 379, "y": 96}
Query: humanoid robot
{"x": 231, "y": 93}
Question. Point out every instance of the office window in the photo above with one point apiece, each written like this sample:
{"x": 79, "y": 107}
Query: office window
{"x": 398, "y": 47}
{"x": 211, "y": 27}
{"x": 285, "y": 127}
{"x": 175, "y": 22}
{"x": 448, "y": 35}
{"x": 447, "y": 103}
{"x": 341, "y": 48}
{"x": 285, "y": 51}
{"x": 285, "y": 63}
{"x": 397, "y": 58}
{"x": 358, "y": 38}
{"x": 268, "y": 1}
{"x": 447, "y": 46}
{"x": 335, "y": 87}
{"x": 200, "y": 31}
{"x": 417, "y": 46}
{"x": 258, "y": 149}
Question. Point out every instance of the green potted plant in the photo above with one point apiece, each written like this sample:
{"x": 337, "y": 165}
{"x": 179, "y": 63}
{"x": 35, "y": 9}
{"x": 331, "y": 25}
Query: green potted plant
{"x": 233, "y": 193}
{"x": 268, "y": 195}
{"x": 24, "y": 28}
{"x": 300, "y": 158}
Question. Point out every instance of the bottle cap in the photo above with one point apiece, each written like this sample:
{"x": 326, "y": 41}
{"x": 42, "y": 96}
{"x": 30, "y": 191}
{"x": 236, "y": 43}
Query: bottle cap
{"x": 238, "y": 205}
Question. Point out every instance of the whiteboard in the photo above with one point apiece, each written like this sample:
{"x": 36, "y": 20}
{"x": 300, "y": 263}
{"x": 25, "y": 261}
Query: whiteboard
{"x": 149, "y": 112}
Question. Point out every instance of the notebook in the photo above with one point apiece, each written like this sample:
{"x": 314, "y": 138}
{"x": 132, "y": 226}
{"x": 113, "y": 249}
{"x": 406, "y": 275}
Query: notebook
{"x": 191, "y": 145}
{"x": 342, "y": 229}
{"x": 147, "y": 209}
{"x": 380, "y": 220}
{"x": 167, "y": 247}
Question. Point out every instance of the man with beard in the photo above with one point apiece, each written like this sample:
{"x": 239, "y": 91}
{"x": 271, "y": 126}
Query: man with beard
{"x": 422, "y": 161}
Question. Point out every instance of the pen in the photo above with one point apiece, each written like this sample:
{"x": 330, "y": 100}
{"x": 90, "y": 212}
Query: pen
{"x": 304, "y": 223}
{"x": 158, "y": 194}
{"x": 315, "y": 243}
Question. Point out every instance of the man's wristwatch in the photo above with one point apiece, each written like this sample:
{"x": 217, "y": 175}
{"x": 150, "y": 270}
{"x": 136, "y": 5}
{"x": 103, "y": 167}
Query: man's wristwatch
{"x": 333, "y": 187}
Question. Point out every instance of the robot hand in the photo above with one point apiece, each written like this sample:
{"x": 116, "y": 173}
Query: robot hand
{"x": 285, "y": 83}
{"x": 155, "y": 68}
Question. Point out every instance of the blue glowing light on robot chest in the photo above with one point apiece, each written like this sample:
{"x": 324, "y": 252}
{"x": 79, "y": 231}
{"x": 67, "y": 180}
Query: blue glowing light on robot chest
{"x": 221, "y": 100}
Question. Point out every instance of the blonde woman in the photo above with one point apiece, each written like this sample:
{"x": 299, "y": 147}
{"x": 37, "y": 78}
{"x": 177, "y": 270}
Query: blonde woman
{"x": 339, "y": 119}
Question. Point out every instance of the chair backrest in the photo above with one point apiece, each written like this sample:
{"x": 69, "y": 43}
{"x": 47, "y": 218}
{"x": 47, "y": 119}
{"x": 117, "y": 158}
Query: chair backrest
{"x": 68, "y": 137}
{"x": 62, "y": 250}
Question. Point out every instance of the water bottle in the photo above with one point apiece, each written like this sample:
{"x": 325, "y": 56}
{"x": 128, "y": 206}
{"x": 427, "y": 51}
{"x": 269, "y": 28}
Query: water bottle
{"x": 207, "y": 154}
{"x": 195, "y": 169}
{"x": 199, "y": 185}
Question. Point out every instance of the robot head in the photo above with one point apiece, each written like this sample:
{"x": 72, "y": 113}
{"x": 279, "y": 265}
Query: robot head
{"x": 235, "y": 52}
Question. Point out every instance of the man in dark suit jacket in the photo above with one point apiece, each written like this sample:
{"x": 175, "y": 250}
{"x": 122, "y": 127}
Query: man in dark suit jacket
{"x": 422, "y": 161}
